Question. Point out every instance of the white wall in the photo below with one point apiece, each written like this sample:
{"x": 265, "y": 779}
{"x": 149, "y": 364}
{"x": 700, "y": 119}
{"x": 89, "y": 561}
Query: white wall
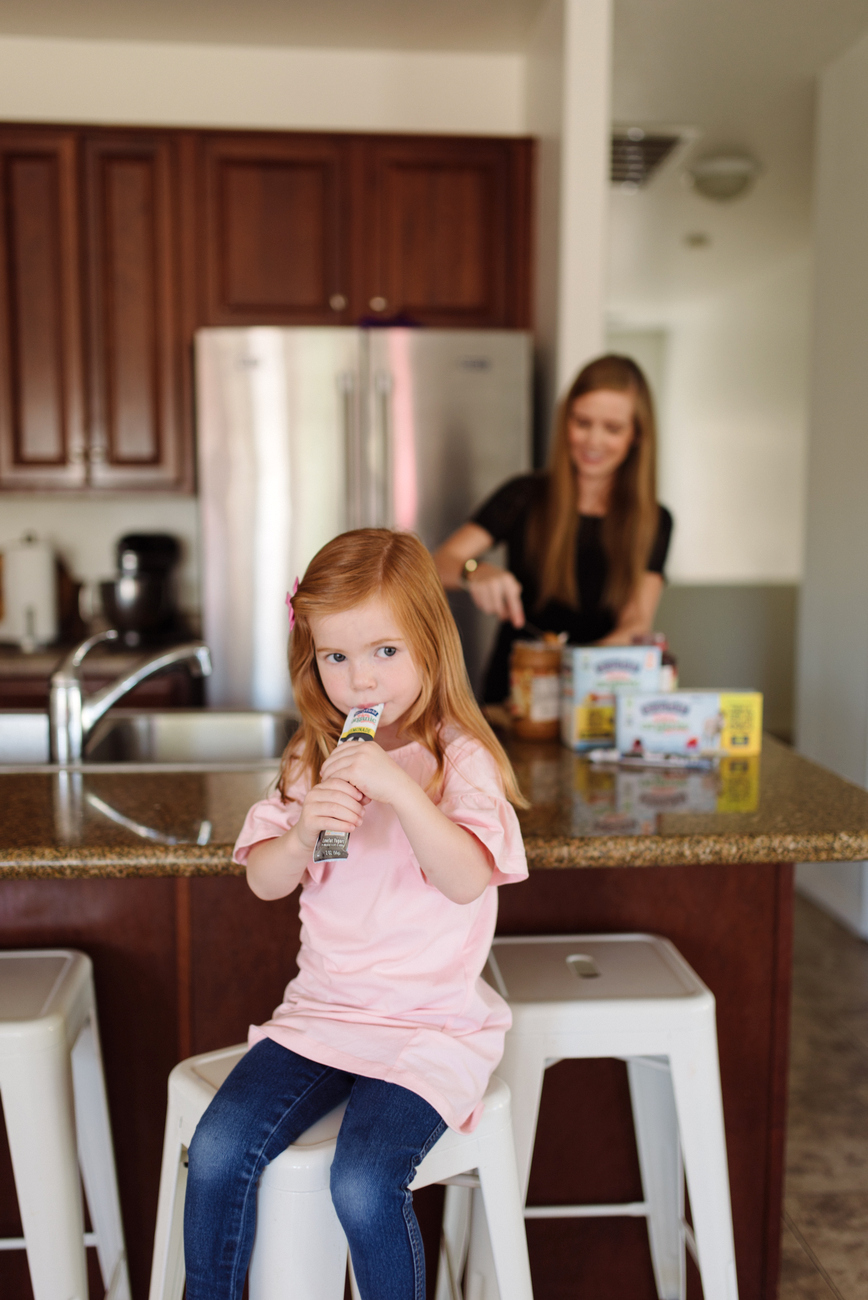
{"x": 732, "y": 465}
{"x": 568, "y": 108}
{"x": 833, "y": 648}
{"x": 832, "y": 678}
{"x": 84, "y": 530}
{"x": 235, "y": 86}
{"x": 732, "y": 396}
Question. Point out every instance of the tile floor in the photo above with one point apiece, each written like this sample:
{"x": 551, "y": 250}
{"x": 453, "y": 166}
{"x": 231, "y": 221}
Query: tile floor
{"x": 825, "y": 1231}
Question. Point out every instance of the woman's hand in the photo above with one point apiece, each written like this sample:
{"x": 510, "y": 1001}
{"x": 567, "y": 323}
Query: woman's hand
{"x": 367, "y": 769}
{"x": 492, "y": 589}
{"x": 497, "y": 591}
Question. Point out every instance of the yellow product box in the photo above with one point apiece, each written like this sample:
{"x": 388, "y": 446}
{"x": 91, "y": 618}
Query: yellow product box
{"x": 690, "y": 722}
{"x": 591, "y": 679}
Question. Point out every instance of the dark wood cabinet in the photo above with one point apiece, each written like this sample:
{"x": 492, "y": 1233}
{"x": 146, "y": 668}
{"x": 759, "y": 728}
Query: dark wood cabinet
{"x": 277, "y": 221}
{"x": 307, "y": 230}
{"x": 117, "y": 244}
{"x": 42, "y": 427}
{"x": 136, "y": 348}
{"x": 447, "y": 231}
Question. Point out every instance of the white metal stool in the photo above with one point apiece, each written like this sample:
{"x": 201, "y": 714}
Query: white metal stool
{"x": 57, "y": 1122}
{"x": 634, "y": 997}
{"x": 300, "y": 1251}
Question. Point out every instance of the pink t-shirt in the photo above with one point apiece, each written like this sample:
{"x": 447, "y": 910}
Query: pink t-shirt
{"x": 389, "y": 983}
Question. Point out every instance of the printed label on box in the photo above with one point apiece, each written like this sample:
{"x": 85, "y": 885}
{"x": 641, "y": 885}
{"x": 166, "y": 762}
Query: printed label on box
{"x": 689, "y": 722}
{"x": 591, "y": 679}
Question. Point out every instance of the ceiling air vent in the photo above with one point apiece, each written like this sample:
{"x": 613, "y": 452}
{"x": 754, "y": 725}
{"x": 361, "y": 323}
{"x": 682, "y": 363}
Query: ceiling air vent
{"x": 637, "y": 155}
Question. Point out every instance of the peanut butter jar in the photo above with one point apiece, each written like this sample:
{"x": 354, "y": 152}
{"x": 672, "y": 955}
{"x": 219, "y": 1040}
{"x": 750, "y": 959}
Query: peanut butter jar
{"x": 535, "y": 689}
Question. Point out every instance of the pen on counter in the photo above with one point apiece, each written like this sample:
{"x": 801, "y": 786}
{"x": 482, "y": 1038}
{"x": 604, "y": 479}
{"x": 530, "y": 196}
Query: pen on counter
{"x": 684, "y": 762}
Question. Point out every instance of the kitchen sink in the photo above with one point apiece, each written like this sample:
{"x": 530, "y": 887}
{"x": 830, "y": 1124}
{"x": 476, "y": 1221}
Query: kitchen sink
{"x": 195, "y": 736}
{"x": 198, "y": 738}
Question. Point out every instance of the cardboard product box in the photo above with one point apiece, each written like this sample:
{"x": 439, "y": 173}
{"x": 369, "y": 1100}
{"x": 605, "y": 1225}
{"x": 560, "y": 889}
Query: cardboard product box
{"x": 591, "y": 678}
{"x": 690, "y": 722}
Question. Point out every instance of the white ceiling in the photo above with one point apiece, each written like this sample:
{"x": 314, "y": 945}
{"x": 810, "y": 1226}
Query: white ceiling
{"x": 495, "y": 25}
{"x": 743, "y": 72}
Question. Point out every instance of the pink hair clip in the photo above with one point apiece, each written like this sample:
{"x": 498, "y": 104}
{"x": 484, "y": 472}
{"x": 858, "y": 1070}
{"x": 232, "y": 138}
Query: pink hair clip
{"x": 289, "y": 596}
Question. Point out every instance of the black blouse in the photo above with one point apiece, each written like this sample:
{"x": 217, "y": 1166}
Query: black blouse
{"x": 505, "y": 515}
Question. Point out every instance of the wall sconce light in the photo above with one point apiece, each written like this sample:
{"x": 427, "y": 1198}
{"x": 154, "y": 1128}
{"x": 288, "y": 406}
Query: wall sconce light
{"x": 724, "y": 176}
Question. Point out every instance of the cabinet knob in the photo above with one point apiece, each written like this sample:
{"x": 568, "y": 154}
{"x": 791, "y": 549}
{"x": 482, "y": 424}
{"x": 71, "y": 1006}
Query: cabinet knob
{"x": 337, "y": 302}
{"x": 378, "y": 304}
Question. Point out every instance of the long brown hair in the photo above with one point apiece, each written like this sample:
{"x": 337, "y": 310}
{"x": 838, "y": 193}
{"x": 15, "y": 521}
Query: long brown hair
{"x": 348, "y": 571}
{"x": 630, "y": 524}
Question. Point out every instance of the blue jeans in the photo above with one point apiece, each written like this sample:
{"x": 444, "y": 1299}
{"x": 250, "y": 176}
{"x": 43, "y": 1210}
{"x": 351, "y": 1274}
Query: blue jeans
{"x": 271, "y": 1098}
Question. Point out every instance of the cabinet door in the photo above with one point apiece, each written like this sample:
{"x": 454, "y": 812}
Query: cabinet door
{"x": 41, "y": 409}
{"x": 276, "y": 229}
{"x": 447, "y": 230}
{"x": 136, "y": 350}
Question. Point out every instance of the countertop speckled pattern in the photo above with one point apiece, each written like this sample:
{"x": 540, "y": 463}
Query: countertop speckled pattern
{"x": 777, "y": 808}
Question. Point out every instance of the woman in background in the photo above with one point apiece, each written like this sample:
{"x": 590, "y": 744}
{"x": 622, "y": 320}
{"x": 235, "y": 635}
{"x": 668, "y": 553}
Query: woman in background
{"x": 586, "y": 538}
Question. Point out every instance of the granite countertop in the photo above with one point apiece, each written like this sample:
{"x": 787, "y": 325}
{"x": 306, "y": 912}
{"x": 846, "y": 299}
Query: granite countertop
{"x": 775, "y": 808}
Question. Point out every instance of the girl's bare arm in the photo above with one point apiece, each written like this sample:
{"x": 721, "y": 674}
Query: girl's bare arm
{"x": 452, "y": 859}
{"x": 275, "y": 867}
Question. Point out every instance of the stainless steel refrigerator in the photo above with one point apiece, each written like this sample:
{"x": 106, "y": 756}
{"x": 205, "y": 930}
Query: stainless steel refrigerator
{"x": 304, "y": 433}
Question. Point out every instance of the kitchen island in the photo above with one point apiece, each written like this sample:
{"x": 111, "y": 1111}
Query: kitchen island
{"x": 134, "y": 868}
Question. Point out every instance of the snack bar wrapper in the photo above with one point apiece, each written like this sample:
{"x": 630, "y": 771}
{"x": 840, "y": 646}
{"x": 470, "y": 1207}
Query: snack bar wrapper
{"x": 361, "y": 724}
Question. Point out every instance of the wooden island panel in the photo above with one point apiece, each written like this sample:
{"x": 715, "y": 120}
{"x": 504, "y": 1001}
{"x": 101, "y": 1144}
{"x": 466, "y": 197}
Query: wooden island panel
{"x": 185, "y": 965}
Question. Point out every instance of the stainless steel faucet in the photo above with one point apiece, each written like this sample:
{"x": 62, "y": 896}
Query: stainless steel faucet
{"x": 73, "y": 715}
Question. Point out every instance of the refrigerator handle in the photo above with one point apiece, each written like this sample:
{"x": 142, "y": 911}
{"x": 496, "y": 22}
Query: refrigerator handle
{"x": 352, "y": 447}
{"x": 385, "y": 511}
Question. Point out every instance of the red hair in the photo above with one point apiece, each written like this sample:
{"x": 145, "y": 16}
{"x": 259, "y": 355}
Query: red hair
{"x": 349, "y": 570}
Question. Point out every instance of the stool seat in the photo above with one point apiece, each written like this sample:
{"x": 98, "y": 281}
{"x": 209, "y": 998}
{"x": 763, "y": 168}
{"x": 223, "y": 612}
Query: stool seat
{"x": 300, "y": 1251}
{"x": 634, "y": 997}
{"x": 57, "y": 1123}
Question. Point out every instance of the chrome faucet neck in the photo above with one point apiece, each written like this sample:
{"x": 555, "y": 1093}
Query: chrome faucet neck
{"x": 73, "y": 715}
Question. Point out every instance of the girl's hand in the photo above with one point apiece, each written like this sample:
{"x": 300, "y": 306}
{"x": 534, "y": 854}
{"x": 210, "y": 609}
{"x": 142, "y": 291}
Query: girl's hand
{"x": 497, "y": 591}
{"x": 367, "y": 767}
{"x": 333, "y": 805}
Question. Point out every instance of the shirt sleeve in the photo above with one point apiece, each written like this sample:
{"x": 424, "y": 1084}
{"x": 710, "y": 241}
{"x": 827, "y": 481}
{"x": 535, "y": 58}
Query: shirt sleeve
{"x": 660, "y": 549}
{"x": 500, "y": 513}
{"x": 473, "y": 798}
{"x": 269, "y": 818}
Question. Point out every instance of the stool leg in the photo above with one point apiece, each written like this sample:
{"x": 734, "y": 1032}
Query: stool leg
{"x": 696, "y": 1079}
{"x": 40, "y": 1124}
{"x": 96, "y": 1158}
{"x": 522, "y": 1069}
{"x": 481, "y": 1276}
{"x": 455, "y": 1236}
{"x": 167, "y": 1269}
{"x": 498, "y": 1178}
{"x": 656, "y": 1126}
{"x": 300, "y": 1251}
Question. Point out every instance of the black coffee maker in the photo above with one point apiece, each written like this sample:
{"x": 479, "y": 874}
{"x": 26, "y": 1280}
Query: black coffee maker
{"x": 140, "y": 602}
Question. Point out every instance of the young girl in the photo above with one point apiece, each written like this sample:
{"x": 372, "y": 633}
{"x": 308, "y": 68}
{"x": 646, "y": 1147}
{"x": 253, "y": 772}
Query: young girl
{"x": 388, "y": 1009}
